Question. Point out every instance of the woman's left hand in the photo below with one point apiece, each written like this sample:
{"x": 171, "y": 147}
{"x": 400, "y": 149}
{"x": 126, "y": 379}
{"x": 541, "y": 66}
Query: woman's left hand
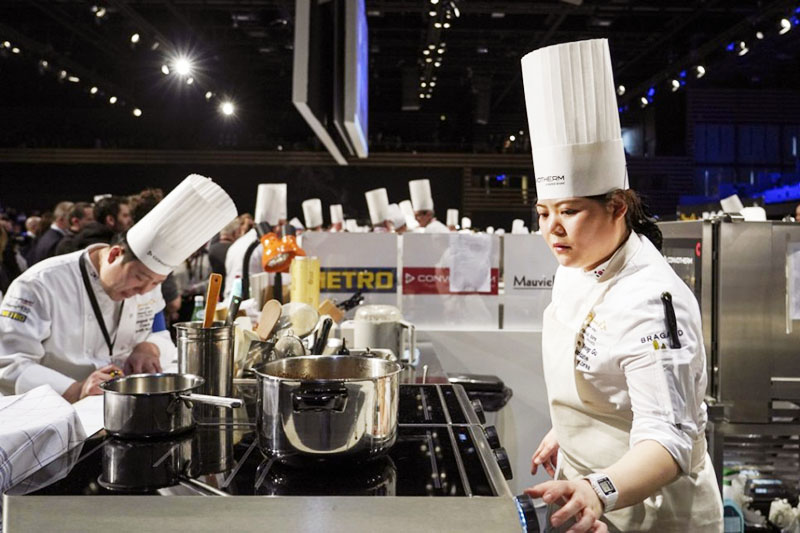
{"x": 577, "y": 500}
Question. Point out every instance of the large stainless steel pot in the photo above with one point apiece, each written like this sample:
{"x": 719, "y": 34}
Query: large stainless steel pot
{"x": 154, "y": 405}
{"x": 322, "y": 407}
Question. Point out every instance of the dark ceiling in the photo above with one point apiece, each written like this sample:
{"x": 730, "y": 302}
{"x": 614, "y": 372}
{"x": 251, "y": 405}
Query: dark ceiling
{"x": 243, "y": 50}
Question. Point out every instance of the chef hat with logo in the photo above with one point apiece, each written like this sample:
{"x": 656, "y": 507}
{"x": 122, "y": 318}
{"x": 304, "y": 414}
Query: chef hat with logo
{"x": 378, "y": 205}
{"x": 395, "y": 216}
{"x": 573, "y": 120}
{"x": 408, "y": 212}
{"x": 192, "y": 213}
{"x": 337, "y": 213}
{"x": 452, "y": 217}
{"x": 466, "y": 223}
{"x": 421, "y": 198}
{"x": 270, "y": 203}
{"x": 312, "y": 212}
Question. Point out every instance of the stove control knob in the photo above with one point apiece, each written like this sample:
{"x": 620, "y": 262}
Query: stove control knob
{"x": 527, "y": 513}
{"x": 504, "y": 463}
{"x": 491, "y": 436}
{"x": 478, "y": 407}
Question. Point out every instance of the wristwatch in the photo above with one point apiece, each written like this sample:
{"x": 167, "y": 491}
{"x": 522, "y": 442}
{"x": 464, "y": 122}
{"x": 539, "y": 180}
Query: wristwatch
{"x": 605, "y": 490}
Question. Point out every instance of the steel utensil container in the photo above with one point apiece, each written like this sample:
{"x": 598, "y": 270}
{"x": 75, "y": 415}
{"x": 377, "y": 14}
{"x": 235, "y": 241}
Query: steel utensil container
{"x": 208, "y": 353}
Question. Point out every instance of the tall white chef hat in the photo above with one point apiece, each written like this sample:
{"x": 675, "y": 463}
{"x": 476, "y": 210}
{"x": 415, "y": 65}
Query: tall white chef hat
{"x": 270, "y": 203}
{"x": 408, "y": 212}
{"x": 395, "y": 216}
{"x": 351, "y": 225}
{"x": 312, "y": 212}
{"x": 466, "y": 223}
{"x": 573, "y": 120}
{"x": 378, "y": 205}
{"x": 192, "y": 213}
{"x": 452, "y": 217}
{"x": 337, "y": 213}
{"x": 421, "y": 197}
{"x": 296, "y": 224}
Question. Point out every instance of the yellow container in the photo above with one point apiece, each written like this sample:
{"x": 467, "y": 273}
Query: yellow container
{"x": 304, "y": 286}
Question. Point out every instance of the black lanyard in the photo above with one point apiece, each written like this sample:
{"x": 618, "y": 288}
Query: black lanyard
{"x": 96, "y": 308}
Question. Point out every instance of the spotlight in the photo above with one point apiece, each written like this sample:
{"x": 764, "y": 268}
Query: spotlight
{"x": 423, "y": 84}
{"x": 62, "y": 75}
{"x": 432, "y": 84}
{"x": 428, "y": 59}
{"x": 434, "y": 2}
{"x": 786, "y": 25}
{"x": 644, "y": 101}
{"x": 112, "y": 100}
{"x": 15, "y": 50}
{"x": 743, "y": 48}
{"x": 227, "y": 108}
{"x": 700, "y": 71}
{"x": 456, "y": 11}
{"x": 521, "y": 132}
{"x": 621, "y": 90}
{"x": 675, "y": 85}
{"x": 759, "y": 35}
{"x": 165, "y": 70}
{"x": 6, "y": 44}
{"x": 182, "y": 66}
{"x": 440, "y": 50}
{"x": 100, "y": 13}
{"x": 439, "y": 25}
{"x": 93, "y": 90}
{"x": 422, "y": 95}
{"x": 209, "y": 95}
{"x": 446, "y": 25}
{"x": 432, "y": 13}
{"x": 426, "y": 52}
{"x": 137, "y": 112}
{"x": 74, "y": 79}
{"x": 43, "y": 63}
{"x": 155, "y": 45}
{"x": 512, "y": 138}
{"x": 437, "y": 64}
{"x": 189, "y": 80}
{"x": 428, "y": 96}
{"x": 431, "y": 46}
{"x": 135, "y": 38}
{"x": 442, "y": 117}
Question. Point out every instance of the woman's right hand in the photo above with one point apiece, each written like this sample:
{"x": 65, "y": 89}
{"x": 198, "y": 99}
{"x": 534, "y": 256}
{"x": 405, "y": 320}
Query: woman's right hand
{"x": 546, "y": 454}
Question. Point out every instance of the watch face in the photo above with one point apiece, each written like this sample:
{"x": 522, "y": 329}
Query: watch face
{"x": 606, "y": 486}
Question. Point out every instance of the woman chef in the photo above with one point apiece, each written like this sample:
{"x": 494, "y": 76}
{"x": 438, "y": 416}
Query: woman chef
{"x": 65, "y": 321}
{"x": 622, "y": 342}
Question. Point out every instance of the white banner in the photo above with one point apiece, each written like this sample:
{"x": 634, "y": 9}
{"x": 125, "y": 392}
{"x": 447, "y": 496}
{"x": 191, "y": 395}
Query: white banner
{"x": 350, "y": 262}
{"x": 435, "y": 299}
{"x": 529, "y": 269}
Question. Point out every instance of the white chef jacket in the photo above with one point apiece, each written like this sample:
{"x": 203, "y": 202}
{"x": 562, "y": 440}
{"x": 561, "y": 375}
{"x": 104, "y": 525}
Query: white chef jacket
{"x": 623, "y": 349}
{"x": 49, "y": 334}
{"x": 433, "y": 227}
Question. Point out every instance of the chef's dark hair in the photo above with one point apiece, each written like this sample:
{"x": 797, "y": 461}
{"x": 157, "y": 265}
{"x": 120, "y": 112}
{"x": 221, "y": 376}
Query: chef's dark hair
{"x": 638, "y": 217}
{"x": 121, "y": 240}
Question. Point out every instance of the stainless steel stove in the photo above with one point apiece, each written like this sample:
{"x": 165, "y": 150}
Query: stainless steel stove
{"x": 446, "y": 472}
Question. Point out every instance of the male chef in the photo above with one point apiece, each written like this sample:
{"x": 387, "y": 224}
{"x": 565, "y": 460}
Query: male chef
{"x": 71, "y": 320}
{"x": 422, "y": 201}
{"x": 378, "y": 207}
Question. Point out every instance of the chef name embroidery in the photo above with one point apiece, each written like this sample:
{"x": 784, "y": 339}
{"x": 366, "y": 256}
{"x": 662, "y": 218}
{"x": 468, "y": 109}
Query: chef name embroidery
{"x": 586, "y": 343}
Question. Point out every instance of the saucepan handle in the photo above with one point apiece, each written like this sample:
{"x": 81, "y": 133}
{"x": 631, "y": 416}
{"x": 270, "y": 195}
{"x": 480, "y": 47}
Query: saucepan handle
{"x": 320, "y": 398}
{"x": 219, "y": 401}
{"x": 411, "y": 331}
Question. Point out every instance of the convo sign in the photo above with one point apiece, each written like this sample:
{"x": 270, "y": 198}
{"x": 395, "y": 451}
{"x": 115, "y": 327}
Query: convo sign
{"x": 351, "y": 262}
{"x": 432, "y": 298}
{"x": 529, "y": 269}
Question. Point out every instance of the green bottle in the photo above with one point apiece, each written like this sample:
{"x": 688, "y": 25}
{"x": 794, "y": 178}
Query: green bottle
{"x": 199, "y": 310}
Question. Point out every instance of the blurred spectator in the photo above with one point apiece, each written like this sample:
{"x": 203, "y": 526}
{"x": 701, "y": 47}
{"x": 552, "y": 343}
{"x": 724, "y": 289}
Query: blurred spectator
{"x": 219, "y": 249}
{"x": 45, "y": 245}
{"x": 245, "y": 223}
{"x": 114, "y": 212}
{"x": 82, "y": 215}
{"x": 142, "y": 203}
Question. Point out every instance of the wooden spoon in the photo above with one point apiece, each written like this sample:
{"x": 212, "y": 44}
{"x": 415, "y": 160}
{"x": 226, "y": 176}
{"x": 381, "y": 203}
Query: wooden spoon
{"x": 214, "y": 284}
{"x": 270, "y": 314}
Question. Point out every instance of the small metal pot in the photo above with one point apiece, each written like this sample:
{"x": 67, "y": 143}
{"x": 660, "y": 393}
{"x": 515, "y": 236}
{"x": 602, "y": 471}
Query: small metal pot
{"x": 154, "y": 405}
{"x": 327, "y": 407}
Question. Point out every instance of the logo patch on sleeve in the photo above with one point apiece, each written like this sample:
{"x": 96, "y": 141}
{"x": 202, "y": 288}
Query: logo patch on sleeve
{"x": 13, "y": 315}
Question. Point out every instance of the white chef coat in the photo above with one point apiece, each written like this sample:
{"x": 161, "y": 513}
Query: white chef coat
{"x": 235, "y": 258}
{"x": 623, "y": 349}
{"x": 433, "y": 227}
{"x": 49, "y": 333}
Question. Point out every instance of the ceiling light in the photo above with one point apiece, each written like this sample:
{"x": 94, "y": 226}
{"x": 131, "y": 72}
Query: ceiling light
{"x": 137, "y": 112}
{"x": 164, "y": 70}
{"x": 428, "y": 96}
{"x": 155, "y": 45}
{"x": 521, "y": 132}
{"x": 432, "y": 84}
{"x": 227, "y": 108}
{"x": 700, "y": 71}
{"x": 112, "y": 100}
{"x": 456, "y": 11}
{"x": 100, "y": 13}
{"x": 743, "y": 48}
{"x": 43, "y": 63}
{"x": 440, "y": 50}
{"x": 422, "y": 95}
{"x": 621, "y": 90}
{"x": 432, "y": 13}
{"x": 498, "y": 15}
{"x": 182, "y": 66}
{"x": 437, "y": 64}
{"x": 675, "y": 85}
{"x": 7, "y": 44}
{"x": 426, "y": 52}
{"x": 189, "y": 80}
{"x": 512, "y": 138}
{"x": 15, "y": 50}
{"x": 482, "y": 50}
{"x": 62, "y": 75}
{"x": 74, "y": 79}
{"x": 644, "y": 101}
{"x": 786, "y": 25}
{"x": 93, "y": 90}
{"x": 423, "y": 84}
{"x": 431, "y": 46}
{"x": 209, "y": 95}
{"x": 759, "y": 35}
{"x": 442, "y": 117}
{"x": 437, "y": 25}
{"x": 428, "y": 59}
{"x": 446, "y": 25}
{"x": 434, "y": 2}
{"x": 135, "y": 38}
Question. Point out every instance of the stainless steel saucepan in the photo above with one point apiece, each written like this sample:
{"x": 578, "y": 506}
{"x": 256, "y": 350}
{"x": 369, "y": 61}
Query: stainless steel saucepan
{"x": 154, "y": 405}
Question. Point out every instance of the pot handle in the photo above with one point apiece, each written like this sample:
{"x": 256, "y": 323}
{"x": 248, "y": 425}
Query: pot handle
{"x": 411, "y": 332}
{"x": 320, "y": 398}
{"x": 219, "y": 401}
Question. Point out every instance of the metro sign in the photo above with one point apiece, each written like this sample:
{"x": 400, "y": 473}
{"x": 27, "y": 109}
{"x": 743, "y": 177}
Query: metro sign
{"x": 432, "y": 280}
